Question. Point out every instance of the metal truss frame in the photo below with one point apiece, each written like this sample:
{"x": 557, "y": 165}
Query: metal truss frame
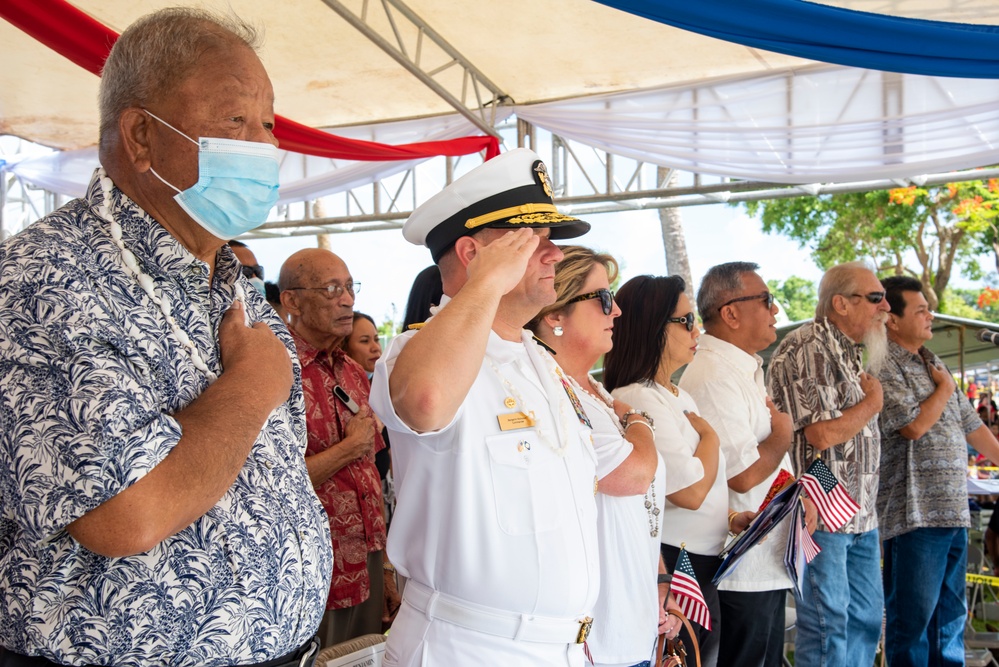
{"x": 587, "y": 181}
{"x": 414, "y": 44}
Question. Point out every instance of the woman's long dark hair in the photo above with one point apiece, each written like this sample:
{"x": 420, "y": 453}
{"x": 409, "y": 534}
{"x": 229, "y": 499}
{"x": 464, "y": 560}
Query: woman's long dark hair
{"x": 646, "y": 303}
{"x": 425, "y": 292}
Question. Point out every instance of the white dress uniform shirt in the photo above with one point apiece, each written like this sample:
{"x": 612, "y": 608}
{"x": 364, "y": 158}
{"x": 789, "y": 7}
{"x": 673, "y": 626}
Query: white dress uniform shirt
{"x": 497, "y": 519}
{"x": 727, "y": 384}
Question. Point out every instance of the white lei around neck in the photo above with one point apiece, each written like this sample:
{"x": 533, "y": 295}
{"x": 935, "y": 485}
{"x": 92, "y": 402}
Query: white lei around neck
{"x": 146, "y": 281}
{"x": 562, "y": 431}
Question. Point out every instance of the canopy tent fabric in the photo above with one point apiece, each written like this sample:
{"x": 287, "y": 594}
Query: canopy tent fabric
{"x": 835, "y": 35}
{"x": 328, "y": 75}
{"x": 816, "y": 125}
{"x": 86, "y": 42}
{"x": 68, "y": 172}
{"x": 628, "y": 85}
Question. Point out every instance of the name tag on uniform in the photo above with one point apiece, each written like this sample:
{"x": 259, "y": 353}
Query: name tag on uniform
{"x": 514, "y": 420}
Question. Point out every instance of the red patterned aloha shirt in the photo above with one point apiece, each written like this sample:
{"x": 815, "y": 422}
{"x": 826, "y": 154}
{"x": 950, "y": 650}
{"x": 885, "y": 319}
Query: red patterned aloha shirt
{"x": 353, "y": 495}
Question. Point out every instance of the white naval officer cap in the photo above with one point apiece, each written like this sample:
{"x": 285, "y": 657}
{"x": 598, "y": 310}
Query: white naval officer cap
{"x": 510, "y": 191}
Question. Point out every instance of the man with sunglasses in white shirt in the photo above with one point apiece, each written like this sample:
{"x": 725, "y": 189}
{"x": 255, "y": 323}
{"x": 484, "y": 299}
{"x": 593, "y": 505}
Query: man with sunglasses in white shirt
{"x": 726, "y": 380}
{"x": 817, "y": 375}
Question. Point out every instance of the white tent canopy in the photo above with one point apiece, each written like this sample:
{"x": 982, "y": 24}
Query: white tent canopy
{"x": 608, "y": 79}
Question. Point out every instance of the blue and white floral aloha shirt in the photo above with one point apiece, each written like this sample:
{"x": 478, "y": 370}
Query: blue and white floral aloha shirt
{"x": 90, "y": 374}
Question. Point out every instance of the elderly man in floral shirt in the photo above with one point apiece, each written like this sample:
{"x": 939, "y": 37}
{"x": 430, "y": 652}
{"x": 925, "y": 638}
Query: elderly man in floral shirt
{"x": 318, "y": 292}
{"x": 154, "y": 505}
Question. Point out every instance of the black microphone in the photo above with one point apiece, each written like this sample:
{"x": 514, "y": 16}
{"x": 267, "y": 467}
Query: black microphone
{"x": 987, "y": 336}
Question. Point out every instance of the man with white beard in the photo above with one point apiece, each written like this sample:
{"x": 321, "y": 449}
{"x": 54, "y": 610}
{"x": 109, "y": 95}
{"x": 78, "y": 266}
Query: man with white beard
{"x": 818, "y": 377}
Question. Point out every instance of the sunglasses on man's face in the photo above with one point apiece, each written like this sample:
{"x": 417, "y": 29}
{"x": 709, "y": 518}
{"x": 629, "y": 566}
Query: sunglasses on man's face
{"x": 605, "y": 295}
{"x": 253, "y": 270}
{"x": 873, "y": 297}
{"x": 687, "y": 320}
{"x": 766, "y": 297}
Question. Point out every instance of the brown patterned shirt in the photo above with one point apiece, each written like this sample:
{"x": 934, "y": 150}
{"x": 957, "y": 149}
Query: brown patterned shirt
{"x": 923, "y": 482}
{"x": 814, "y": 375}
{"x": 353, "y": 495}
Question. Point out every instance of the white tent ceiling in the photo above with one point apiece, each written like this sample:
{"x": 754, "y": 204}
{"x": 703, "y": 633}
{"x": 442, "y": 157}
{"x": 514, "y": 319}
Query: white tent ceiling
{"x": 326, "y": 73}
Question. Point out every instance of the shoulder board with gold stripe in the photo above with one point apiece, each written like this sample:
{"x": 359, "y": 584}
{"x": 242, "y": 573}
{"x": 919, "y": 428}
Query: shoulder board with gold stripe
{"x": 544, "y": 345}
{"x": 416, "y": 327}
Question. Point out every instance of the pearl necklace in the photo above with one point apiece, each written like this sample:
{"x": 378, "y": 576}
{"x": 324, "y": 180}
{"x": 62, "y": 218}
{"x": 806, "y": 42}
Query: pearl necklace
{"x": 563, "y": 446}
{"x": 146, "y": 281}
{"x": 607, "y": 403}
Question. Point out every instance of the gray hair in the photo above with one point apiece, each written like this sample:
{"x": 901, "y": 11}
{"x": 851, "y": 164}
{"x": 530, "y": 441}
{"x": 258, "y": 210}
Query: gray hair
{"x": 157, "y": 52}
{"x": 718, "y": 285}
{"x": 840, "y": 279}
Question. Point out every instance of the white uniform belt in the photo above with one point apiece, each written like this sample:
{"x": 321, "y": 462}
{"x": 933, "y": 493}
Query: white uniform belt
{"x": 498, "y": 622}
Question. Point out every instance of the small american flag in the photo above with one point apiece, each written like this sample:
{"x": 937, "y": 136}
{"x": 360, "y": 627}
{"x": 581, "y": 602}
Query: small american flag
{"x": 834, "y": 504}
{"x": 687, "y": 592}
{"x": 808, "y": 545}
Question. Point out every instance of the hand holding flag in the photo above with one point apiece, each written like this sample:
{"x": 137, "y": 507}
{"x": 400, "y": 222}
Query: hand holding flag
{"x": 834, "y": 504}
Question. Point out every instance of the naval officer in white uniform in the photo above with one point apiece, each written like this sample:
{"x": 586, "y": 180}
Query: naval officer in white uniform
{"x": 493, "y": 460}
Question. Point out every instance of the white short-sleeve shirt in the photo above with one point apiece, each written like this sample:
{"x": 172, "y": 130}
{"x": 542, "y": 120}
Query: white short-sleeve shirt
{"x": 495, "y": 518}
{"x": 704, "y": 530}
{"x": 628, "y": 604}
{"x": 727, "y": 384}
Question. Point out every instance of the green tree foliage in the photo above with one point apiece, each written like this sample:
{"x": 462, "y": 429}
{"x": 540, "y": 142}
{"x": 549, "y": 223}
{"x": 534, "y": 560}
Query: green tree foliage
{"x": 957, "y": 302}
{"x": 922, "y": 232}
{"x": 797, "y": 297}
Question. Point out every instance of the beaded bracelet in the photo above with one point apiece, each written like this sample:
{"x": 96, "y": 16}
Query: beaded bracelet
{"x": 643, "y": 423}
{"x": 641, "y": 413}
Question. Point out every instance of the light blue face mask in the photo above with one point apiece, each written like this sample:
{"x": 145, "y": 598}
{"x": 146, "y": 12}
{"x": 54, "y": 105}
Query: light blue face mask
{"x": 237, "y": 184}
{"x": 259, "y": 285}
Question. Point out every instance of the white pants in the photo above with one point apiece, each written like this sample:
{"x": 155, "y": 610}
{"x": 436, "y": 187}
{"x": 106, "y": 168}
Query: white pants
{"x": 415, "y": 641}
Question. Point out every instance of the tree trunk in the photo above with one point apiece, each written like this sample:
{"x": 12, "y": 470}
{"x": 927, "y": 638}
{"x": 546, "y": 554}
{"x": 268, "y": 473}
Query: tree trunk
{"x": 674, "y": 242}
{"x": 319, "y": 211}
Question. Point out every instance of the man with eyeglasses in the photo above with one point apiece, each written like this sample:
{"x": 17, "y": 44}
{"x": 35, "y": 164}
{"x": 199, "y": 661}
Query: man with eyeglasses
{"x": 817, "y": 375}
{"x": 496, "y": 520}
{"x": 726, "y": 380}
{"x": 926, "y": 425}
{"x": 318, "y": 292}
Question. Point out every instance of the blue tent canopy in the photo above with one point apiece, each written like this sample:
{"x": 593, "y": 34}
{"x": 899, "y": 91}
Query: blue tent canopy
{"x": 835, "y": 35}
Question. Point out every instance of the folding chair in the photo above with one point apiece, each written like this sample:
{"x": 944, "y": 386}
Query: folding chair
{"x": 363, "y": 651}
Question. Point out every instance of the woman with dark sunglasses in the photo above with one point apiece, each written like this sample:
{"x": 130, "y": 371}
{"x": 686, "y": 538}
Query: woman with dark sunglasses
{"x": 577, "y": 327}
{"x": 654, "y": 338}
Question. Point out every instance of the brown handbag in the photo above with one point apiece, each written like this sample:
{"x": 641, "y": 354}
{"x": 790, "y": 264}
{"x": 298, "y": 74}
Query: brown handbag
{"x": 671, "y": 652}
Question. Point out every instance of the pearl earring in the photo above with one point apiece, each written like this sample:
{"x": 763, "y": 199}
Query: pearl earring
{"x": 557, "y": 331}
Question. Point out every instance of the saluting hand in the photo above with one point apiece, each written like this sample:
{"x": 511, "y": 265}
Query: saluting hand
{"x": 503, "y": 262}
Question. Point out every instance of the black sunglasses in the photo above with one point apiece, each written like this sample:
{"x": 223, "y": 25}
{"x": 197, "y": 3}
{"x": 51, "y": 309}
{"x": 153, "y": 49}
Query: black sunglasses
{"x": 873, "y": 297}
{"x": 687, "y": 320}
{"x": 605, "y": 295}
{"x": 766, "y": 297}
{"x": 253, "y": 270}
